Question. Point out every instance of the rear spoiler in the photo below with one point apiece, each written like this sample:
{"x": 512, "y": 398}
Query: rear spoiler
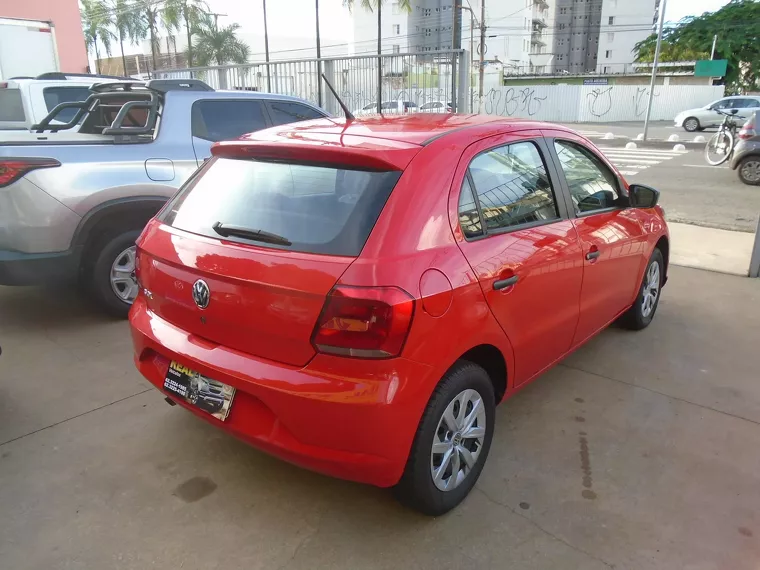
{"x": 373, "y": 154}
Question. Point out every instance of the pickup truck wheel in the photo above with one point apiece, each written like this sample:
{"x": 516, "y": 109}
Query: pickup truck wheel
{"x": 112, "y": 277}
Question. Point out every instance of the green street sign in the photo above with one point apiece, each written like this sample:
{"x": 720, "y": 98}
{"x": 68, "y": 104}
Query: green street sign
{"x": 711, "y": 68}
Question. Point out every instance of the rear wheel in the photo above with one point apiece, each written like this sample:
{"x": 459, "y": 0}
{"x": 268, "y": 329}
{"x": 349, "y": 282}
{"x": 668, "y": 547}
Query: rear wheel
{"x": 642, "y": 312}
{"x": 691, "y": 124}
{"x": 111, "y": 277}
{"x": 749, "y": 170}
{"x": 452, "y": 442}
{"x": 719, "y": 148}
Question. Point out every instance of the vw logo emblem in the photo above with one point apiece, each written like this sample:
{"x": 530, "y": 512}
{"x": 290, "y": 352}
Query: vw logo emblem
{"x": 201, "y": 294}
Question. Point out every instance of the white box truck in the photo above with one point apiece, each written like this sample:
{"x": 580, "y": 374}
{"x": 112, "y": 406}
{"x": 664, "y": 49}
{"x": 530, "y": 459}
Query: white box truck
{"x": 27, "y": 48}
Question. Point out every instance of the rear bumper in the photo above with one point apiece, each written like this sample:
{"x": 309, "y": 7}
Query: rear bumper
{"x": 348, "y": 418}
{"x": 38, "y": 268}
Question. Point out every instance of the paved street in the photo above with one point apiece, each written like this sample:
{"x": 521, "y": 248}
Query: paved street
{"x": 657, "y": 130}
{"x": 98, "y": 472}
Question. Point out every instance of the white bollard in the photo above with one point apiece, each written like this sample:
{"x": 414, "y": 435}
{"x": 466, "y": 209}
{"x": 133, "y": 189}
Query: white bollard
{"x": 640, "y": 137}
{"x": 679, "y": 148}
{"x": 699, "y": 138}
{"x": 673, "y": 138}
{"x": 608, "y": 136}
{"x": 631, "y": 145}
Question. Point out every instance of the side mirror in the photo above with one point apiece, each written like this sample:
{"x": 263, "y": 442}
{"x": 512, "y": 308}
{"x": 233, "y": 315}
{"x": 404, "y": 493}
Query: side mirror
{"x": 642, "y": 196}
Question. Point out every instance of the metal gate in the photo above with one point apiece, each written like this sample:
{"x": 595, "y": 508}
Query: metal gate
{"x": 418, "y": 78}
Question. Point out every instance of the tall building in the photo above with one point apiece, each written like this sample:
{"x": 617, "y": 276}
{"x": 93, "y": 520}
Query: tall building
{"x": 623, "y": 25}
{"x": 516, "y": 31}
{"x": 575, "y": 37}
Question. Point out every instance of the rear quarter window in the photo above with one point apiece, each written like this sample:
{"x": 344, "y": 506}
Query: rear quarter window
{"x": 56, "y": 95}
{"x": 11, "y": 106}
{"x": 319, "y": 209}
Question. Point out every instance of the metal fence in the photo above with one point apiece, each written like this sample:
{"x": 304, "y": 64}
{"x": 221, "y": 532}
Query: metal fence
{"x": 420, "y": 78}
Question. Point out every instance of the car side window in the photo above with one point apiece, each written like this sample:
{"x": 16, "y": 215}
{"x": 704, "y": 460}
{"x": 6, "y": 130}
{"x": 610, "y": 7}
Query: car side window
{"x": 220, "y": 120}
{"x": 752, "y": 103}
{"x": 389, "y": 106}
{"x": 56, "y": 95}
{"x": 512, "y": 186}
{"x": 592, "y": 185}
{"x": 284, "y": 112}
{"x": 469, "y": 217}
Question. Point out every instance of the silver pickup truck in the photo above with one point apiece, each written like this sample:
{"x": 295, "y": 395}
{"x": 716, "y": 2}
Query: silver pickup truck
{"x": 73, "y": 203}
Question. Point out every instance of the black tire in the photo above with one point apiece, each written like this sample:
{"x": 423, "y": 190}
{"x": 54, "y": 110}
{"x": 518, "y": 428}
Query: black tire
{"x": 416, "y": 488}
{"x": 634, "y": 318}
{"x": 691, "y": 124}
{"x": 98, "y": 278}
{"x": 748, "y": 170}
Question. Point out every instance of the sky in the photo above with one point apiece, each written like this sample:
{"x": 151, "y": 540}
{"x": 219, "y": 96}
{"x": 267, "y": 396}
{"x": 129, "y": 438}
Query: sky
{"x": 677, "y": 9}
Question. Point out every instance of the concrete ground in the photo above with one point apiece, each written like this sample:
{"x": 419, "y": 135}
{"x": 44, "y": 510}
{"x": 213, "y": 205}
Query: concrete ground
{"x": 639, "y": 451}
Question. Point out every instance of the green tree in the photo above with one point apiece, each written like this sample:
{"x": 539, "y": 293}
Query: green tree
{"x": 129, "y": 25}
{"x": 736, "y": 25}
{"x": 95, "y": 16}
{"x": 153, "y": 19}
{"x": 187, "y": 14}
{"x": 219, "y": 46}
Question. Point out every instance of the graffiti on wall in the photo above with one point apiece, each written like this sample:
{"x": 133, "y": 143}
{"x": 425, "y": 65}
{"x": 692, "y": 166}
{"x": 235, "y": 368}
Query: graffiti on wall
{"x": 513, "y": 101}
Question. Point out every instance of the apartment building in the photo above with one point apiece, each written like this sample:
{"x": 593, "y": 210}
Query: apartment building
{"x": 575, "y": 35}
{"x": 516, "y": 31}
{"x": 623, "y": 25}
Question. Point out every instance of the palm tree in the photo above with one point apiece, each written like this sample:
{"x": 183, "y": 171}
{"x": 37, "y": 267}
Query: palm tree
{"x": 96, "y": 20}
{"x": 152, "y": 18}
{"x": 219, "y": 46}
{"x": 187, "y": 12}
{"x": 129, "y": 25}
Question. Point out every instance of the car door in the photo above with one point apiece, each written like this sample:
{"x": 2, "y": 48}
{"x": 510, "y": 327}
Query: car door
{"x": 712, "y": 117}
{"x": 522, "y": 247}
{"x": 284, "y": 112}
{"x": 215, "y": 120}
{"x": 611, "y": 234}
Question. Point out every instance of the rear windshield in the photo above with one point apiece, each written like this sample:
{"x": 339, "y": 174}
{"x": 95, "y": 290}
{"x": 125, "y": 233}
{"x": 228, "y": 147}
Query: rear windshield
{"x": 319, "y": 209}
{"x": 56, "y": 95}
{"x": 11, "y": 107}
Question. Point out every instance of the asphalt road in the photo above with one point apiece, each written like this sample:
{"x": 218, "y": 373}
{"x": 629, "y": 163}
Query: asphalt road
{"x": 657, "y": 130}
{"x": 691, "y": 191}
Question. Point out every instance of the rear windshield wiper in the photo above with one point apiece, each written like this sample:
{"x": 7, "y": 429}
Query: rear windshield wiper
{"x": 226, "y": 230}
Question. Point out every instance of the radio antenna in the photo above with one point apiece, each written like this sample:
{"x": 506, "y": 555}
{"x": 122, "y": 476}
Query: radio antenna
{"x": 349, "y": 115}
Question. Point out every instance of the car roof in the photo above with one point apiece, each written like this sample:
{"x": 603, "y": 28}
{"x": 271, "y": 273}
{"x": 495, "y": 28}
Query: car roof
{"x": 417, "y": 128}
{"x": 228, "y": 94}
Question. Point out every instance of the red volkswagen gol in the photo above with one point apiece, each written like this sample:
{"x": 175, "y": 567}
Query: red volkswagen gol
{"x": 356, "y": 296}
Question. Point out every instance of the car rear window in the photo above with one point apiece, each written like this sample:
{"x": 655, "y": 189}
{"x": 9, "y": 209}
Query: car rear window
{"x": 319, "y": 209}
{"x": 11, "y": 106}
{"x": 57, "y": 95}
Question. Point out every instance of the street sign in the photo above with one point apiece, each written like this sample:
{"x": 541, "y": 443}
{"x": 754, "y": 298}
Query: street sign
{"x": 710, "y": 68}
{"x": 596, "y": 81}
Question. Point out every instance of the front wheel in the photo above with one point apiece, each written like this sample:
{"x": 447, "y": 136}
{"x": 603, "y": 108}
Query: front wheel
{"x": 452, "y": 442}
{"x": 749, "y": 170}
{"x": 642, "y": 312}
{"x": 719, "y": 148}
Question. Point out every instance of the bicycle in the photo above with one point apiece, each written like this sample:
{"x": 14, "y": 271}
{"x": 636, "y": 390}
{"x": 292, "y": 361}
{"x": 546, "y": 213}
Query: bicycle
{"x": 721, "y": 145}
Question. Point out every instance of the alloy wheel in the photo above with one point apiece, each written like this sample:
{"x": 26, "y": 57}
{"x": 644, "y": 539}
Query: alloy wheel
{"x": 123, "y": 280}
{"x": 458, "y": 440}
{"x": 750, "y": 171}
{"x": 651, "y": 289}
{"x": 691, "y": 125}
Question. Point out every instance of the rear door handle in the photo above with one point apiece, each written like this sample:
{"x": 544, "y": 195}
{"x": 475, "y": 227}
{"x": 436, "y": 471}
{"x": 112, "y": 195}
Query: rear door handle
{"x": 593, "y": 255}
{"x": 504, "y": 283}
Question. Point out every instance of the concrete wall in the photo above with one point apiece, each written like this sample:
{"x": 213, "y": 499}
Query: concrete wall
{"x": 64, "y": 14}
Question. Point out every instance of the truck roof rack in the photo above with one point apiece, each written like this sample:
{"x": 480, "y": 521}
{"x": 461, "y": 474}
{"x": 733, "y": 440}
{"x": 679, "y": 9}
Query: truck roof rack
{"x": 62, "y": 75}
{"x": 164, "y": 85}
{"x": 117, "y": 85}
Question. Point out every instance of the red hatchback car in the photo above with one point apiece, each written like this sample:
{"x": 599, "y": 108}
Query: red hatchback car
{"x": 356, "y": 296}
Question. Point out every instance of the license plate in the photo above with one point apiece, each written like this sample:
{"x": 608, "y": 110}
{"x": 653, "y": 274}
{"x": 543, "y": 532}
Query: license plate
{"x": 209, "y": 395}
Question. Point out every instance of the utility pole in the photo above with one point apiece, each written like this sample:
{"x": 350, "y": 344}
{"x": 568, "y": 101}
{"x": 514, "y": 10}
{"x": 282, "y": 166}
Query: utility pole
{"x": 660, "y": 23}
{"x": 266, "y": 47}
{"x": 456, "y": 44}
{"x": 379, "y": 58}
{"x": 712, "y": 51}
{"x": 482, "y": 53}
{"x": 216, "y": 19}
{"x": 472, "y": 33}
{"x": 319, "y": 62}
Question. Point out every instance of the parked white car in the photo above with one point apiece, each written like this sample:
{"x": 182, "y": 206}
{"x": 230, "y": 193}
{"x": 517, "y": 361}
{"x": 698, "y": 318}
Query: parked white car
{"x": 25, "y": 101}
{"x": 436, "y": 107}
{"x": 703, "y": 117}
{"x": 388, "y": 108}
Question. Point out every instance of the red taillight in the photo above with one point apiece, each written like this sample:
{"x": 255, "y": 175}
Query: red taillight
{"x": 748, "y": 130}
{"x": 364, "y": 322}
{"x": 11, "y": 169}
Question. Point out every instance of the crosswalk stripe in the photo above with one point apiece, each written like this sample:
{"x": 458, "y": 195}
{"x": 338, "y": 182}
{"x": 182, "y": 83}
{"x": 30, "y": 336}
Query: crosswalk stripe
{"x": 641, "y": 156}
{"x": 629, "y": 172}
{"x": 634, "y": 161}
{"x": 642, "y": 151}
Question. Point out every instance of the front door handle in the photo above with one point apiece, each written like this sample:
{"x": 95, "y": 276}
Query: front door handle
{"x": 593, "y": 254}
{"x": 504, "y": 283}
